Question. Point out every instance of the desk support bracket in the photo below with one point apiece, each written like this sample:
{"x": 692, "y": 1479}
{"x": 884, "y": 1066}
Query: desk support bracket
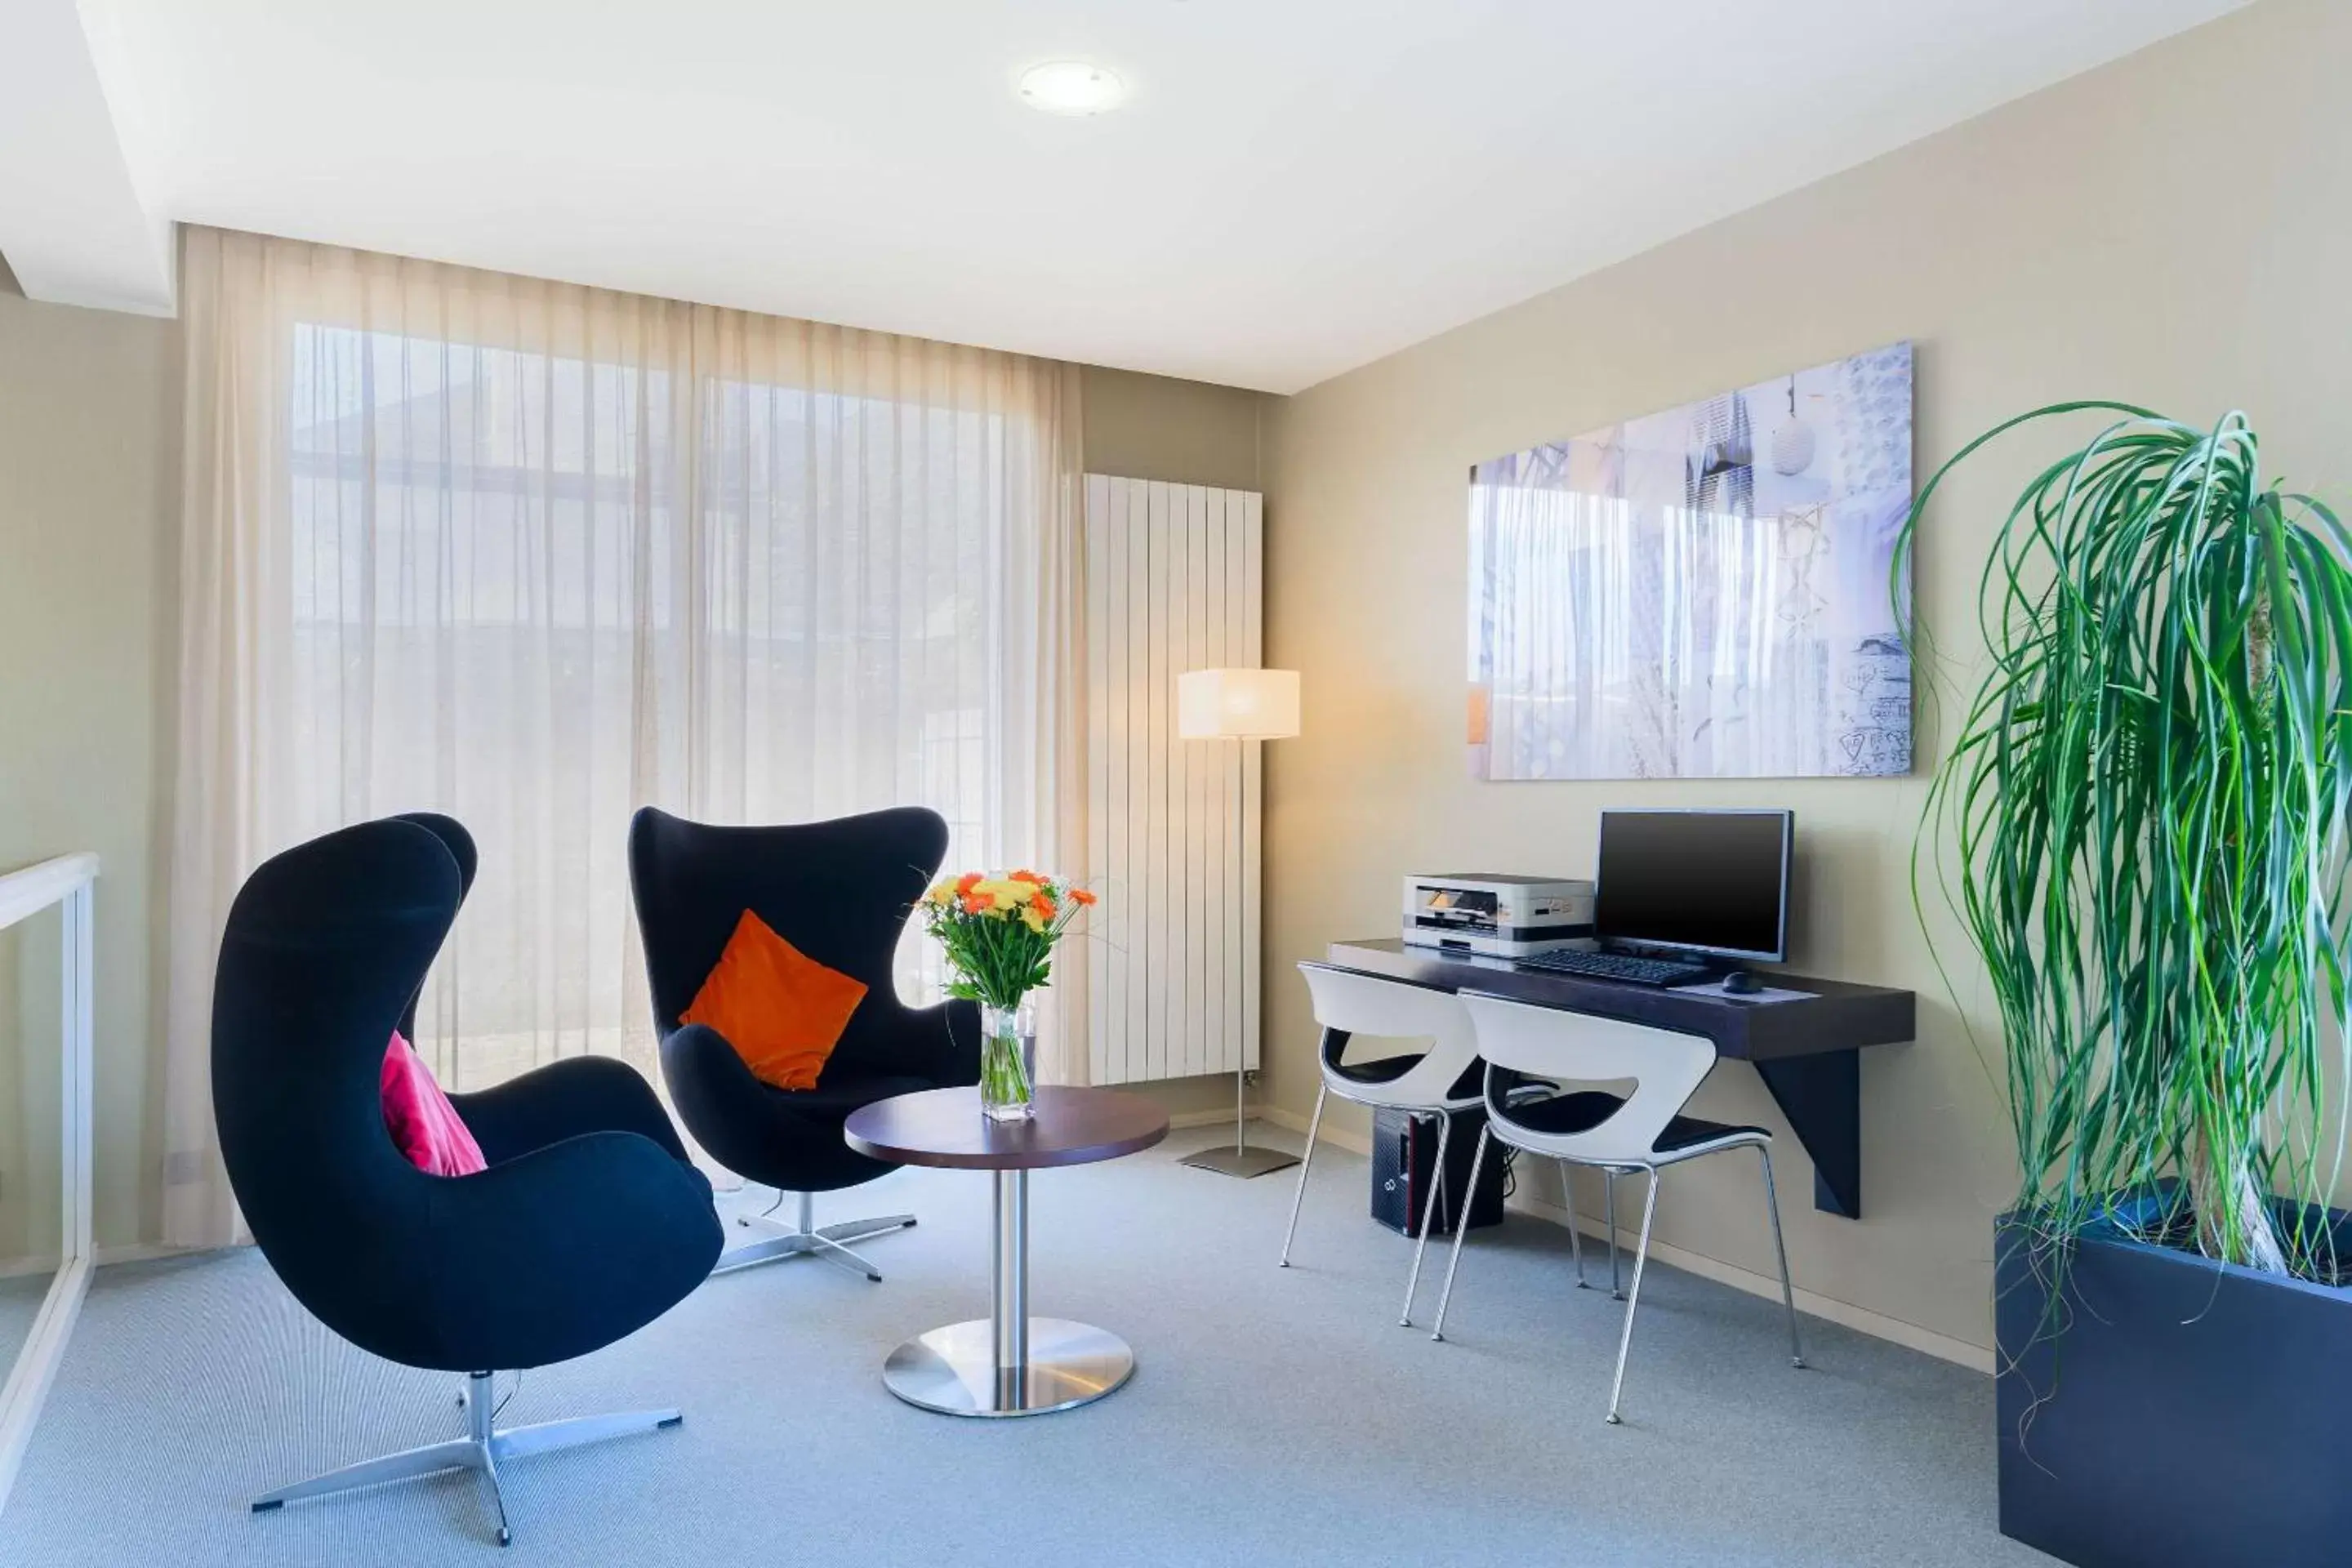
{"x": 1822, "y": 1096}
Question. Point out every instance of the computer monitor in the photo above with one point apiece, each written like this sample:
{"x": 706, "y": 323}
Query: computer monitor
{"x": 1702, "y": 881}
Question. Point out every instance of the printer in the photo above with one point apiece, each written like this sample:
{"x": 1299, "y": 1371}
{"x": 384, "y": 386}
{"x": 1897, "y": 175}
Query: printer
{"x": 1494, "y": 914}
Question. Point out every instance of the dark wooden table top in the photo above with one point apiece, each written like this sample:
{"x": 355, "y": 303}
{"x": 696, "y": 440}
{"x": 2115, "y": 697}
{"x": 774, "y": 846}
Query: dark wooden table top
{"x": 944, "y": 1127}
{"x": 1837, "y": 1014}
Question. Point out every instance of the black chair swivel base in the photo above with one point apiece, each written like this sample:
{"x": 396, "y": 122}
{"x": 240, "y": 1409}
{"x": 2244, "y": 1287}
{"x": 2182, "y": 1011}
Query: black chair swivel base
{"x": 806, "y": 1239}
{"x": 484, "y": 1448}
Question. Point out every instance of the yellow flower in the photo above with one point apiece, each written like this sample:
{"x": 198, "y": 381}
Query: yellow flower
{"x": 1034, "y": 918}
{"x": 941, "y": 893}
{"x": 1008, "y": 893}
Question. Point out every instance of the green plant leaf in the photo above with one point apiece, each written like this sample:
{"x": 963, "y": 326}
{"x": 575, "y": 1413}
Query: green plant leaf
{"x": 2140, "y": 824}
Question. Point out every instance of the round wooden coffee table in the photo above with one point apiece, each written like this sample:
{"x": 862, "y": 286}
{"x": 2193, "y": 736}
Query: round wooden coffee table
{"x": 1008, "y": 1364}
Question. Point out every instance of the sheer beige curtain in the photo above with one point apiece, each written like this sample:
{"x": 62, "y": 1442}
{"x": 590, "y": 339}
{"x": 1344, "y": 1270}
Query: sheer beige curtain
{"x": 535, "y": 554}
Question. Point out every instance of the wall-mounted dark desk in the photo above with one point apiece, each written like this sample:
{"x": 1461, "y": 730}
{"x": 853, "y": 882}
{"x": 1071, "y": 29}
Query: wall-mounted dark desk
{"x": 1808, "y": 1052}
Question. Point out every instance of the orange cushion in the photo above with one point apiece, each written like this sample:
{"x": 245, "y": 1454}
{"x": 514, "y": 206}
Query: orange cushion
{"x": 781, "y": 1010}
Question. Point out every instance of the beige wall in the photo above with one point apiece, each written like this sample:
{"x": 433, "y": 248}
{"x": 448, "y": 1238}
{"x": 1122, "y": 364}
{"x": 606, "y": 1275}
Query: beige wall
{"x": 2171, "y": 231}
{"x": 89, "y": 476}
{"x": 1185, "y": 432}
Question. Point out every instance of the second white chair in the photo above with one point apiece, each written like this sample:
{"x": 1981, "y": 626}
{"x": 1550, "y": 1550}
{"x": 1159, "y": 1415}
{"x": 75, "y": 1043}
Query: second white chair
{"x": 1644, "y": 1131}
{"x": 1442, "y": 1081}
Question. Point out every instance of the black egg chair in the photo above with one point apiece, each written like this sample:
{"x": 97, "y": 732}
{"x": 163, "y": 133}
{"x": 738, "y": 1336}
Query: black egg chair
{"x": 840, "y": 891}
{"x": 588, "y": 1223}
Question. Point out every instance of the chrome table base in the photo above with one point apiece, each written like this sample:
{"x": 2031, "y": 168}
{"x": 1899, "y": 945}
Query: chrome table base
{"x": 483, "y": 1449}
{"x": 1009, "y": 1364}
{"x": 808, "y": 1240}
{"x": 953, "y": 1369}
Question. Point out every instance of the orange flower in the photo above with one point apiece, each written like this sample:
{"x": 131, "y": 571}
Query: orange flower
{"x": 978, "y": 904}
{"x": 966, "y": 883}
{"x": 1080, "y": 897}
{"x": 1043, "y": 904}
{"x": 1027, "y": 877}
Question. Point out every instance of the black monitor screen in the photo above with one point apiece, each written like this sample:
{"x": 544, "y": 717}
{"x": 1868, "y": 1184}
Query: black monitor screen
{"x": 1714, "y": 880}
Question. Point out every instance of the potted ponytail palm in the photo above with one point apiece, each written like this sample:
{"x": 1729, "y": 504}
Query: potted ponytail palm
{"x": 2141, "y": 825}
{"x": 999, "y": 935}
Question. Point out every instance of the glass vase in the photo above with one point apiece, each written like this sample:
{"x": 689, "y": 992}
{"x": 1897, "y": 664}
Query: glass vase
{"x": 1008, "y": 1055}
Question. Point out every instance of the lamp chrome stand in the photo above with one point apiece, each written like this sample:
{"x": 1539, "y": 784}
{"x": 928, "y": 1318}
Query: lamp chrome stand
{"x": 1209, "y": 706}
{"x": 1241, "y": 1160}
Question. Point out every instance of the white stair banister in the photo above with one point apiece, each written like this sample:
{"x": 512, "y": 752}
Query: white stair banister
{"x": 67, "y": 882}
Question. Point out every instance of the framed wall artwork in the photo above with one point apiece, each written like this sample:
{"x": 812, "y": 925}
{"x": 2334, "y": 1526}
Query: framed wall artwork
{"x": 1704, "y": 593}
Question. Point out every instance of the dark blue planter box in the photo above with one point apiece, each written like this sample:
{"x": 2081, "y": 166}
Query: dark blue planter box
{"x": 2191, "y": 1413}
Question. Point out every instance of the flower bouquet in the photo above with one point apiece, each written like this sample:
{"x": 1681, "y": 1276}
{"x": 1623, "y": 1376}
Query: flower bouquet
{"x": 999, "y": 934}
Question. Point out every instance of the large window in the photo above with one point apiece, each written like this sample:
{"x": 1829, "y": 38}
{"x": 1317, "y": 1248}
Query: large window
{"x": 535, "y": 555}
{"x": 535, "y": 590}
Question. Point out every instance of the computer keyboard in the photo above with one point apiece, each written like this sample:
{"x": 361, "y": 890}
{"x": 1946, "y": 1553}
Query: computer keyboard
{"x": 1617, "y": 966}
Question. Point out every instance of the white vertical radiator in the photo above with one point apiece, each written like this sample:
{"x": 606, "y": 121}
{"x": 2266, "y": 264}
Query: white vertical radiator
{"x": 1173, "y": 583}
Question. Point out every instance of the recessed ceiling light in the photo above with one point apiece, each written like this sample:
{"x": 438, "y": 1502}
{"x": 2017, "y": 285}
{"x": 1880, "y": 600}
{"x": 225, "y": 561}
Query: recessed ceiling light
{"x": 1071, "y": 87}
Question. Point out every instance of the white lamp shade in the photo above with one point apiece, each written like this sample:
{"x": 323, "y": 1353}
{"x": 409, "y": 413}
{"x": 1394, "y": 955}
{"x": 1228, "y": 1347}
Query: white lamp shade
{"x": 1237, "y": 704}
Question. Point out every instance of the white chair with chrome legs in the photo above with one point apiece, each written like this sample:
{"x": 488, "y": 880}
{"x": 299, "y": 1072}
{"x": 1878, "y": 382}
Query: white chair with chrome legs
{"x": 1645, "y": 1131}
{"x": 1442, "y": 1081}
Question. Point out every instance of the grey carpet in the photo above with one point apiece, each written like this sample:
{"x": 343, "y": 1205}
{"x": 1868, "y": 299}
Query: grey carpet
{"x": 1276, "y": 1417}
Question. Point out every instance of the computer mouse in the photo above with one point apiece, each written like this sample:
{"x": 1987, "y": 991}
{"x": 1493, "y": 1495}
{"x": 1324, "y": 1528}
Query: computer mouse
{"x": 1739, "y": 982}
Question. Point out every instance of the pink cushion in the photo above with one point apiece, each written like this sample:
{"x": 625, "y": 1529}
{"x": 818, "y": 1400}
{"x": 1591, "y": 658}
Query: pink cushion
{"x": 423, "y": 1123}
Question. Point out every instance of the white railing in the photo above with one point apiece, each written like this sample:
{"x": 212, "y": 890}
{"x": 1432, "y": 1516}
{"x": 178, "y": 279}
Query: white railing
{"x": 67, "y": 883}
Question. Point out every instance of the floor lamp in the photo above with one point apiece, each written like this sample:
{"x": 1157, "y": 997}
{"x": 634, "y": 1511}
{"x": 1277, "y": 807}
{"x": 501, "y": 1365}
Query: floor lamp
{"x": 1240, "y": 706}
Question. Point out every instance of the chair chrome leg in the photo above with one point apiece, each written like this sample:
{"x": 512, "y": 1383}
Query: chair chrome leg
{"x": 457, "y": 1453}
{"x": 806, "y": 1237}
{"x": 578, "y": 1432}
{"x": 1428, "y": 1212}
{"x": 497, "y": 1493}
{"x": 1780, "y": 1250}
{"x": 859, "y": 1229}
{"x": 1306, "y": 1159}
{"x": 1575, "y": 1237}
{"x": 1633, "y": 1298}
{"x": 481, "y": 1434}
{"x": 481, "y": 1450}
{"x": 832, "y": 1252}
{"x": 1444, "y": 1297}
{"x": 1616, "y": 1291}
{"x": 747, "y": 1219}
{"x": 753, "y": 1254}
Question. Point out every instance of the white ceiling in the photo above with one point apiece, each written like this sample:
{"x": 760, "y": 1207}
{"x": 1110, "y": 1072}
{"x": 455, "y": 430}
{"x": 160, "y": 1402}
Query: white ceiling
{"x": 1295, "y": 186}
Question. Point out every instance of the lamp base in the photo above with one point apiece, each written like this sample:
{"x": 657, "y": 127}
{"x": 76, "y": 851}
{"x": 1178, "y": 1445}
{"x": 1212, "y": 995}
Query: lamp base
{"x": 1243, "y": 1162}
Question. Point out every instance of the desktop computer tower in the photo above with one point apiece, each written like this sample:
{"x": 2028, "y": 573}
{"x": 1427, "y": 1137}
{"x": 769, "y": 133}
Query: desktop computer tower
{"x": 1404, "y": 1164}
